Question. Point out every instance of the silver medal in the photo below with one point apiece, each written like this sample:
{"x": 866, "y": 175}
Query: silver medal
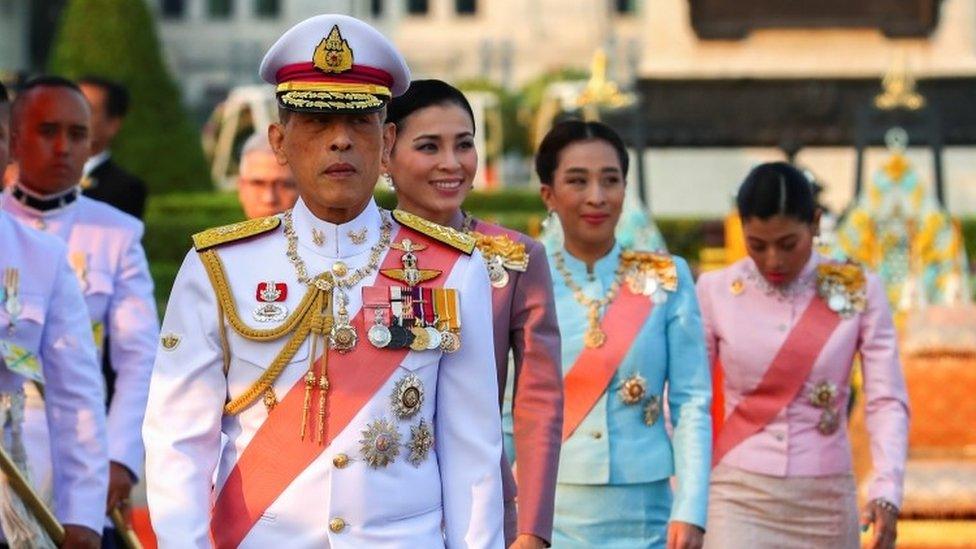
{"x": 379, "y": 335}
{"x": 837, "y": 302}
{"x": 435, "y": 338}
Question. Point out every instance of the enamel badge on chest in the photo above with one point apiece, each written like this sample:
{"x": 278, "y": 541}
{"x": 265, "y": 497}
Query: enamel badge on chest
{"x": 270, "y": 296}
{"x": 10, "y": 296}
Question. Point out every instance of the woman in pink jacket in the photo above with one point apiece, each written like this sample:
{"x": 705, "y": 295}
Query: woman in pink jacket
{"x": 786, "y": 324}
{"x": 432, "y": 165}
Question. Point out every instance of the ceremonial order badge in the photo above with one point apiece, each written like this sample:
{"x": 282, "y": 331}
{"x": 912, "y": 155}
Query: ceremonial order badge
{"x": 843, "y": 287}
{"x": 380, "y": 444}
{"x": 169, "y": 341}
{"x": 650, "y": 274}
{"x": 408, "y": 396}
{"x": 333, "y": 54}
{"x": 270, "y": 295}
{"x": 421, "y": 441}
{"x": 824, "y": 396}
{"x": 501, "y": 254}
{"x": 633, "y": 389}
{"x": 652, "y": 410}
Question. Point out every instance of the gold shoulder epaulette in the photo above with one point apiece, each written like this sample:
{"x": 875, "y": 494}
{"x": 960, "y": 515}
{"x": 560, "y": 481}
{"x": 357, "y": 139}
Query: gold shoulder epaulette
{"x": 511, "y": 252}
{"x": 850, "y": 275}
{"x": 447, "y": 235}
{"x": 235, "y": 231}
{"x": 655, "y": 265}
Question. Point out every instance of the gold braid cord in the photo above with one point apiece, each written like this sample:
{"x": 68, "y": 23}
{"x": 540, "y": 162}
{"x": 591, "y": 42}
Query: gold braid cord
{"x": 300, "y": 322}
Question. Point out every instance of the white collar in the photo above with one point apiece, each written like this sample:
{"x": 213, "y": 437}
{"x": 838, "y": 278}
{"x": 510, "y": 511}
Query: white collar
{"x": 95, "y": 161}
{"x": 338, "y": 241}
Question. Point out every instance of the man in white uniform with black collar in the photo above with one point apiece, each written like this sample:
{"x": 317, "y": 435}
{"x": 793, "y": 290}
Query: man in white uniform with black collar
{"x": 45, "y": 339}
{"x": 344, "y": 351}
{"x": 49, "y": 137}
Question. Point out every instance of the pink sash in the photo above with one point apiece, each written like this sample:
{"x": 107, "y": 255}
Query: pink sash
{"x": 590, "y": 375}
{"x": 782, "y": 381}
{"x": 276, "y": 455}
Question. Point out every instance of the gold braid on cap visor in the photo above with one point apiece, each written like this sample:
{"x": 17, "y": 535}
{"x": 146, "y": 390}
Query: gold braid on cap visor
{"x": 332, "y": 95}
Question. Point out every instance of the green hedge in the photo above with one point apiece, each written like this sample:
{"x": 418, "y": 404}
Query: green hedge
{"x": 172, "y": 218}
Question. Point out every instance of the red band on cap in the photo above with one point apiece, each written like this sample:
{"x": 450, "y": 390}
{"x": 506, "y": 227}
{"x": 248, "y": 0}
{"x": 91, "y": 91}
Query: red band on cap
{"x": 358, "y": 74}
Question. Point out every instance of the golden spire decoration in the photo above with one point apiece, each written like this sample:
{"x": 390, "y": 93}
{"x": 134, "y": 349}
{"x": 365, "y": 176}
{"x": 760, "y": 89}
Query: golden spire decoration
{"x": 600, "y": 91}
{"x": 899, "y": 90}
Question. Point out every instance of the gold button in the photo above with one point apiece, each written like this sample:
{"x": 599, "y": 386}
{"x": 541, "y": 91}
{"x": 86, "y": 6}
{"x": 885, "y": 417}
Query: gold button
{"x": 337, "y": 525}
{"x": 340, "y": 461}
{"x": 340, "y": 269}
{"x": 596, "y": 434}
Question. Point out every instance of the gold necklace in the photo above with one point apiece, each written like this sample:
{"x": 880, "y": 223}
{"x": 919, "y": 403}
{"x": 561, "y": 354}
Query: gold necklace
{"x": 343, "y": 335}
{"x": 595, "y": 336}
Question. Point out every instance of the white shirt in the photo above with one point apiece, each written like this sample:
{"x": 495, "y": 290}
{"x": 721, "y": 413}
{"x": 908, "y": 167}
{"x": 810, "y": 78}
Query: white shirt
{"x": 53, "y": 325}
{"x": 105, "y": 251}
{"x": 400, "y": 505}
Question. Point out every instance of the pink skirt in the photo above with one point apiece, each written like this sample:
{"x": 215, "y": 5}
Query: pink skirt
{"x": 753, "y": 511}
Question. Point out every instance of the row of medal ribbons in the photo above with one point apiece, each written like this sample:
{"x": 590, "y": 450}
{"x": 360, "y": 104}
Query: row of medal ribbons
{"x": 413, "y": 317}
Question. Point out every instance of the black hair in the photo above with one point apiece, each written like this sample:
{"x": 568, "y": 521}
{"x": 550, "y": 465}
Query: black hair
{"x": 116, "y": 95}
{"x": 3, "y": 94}
{"x": 46, "y": 81}
{"x": 776, "y": 188}
{"x": 422, "y": 94}
{"x": 568, "y": 132}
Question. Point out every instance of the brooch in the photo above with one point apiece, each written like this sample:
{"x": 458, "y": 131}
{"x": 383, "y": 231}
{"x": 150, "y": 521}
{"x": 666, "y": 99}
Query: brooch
{"x": 408, "y": 396}
{"x": 421, "y": 441}
{"x": 380, "y": 444}
{"x": 633, "y": 389}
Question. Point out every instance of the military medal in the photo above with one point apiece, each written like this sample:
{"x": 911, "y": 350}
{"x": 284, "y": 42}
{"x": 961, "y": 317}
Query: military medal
{"x": 410, "y": 274}
{"x": 400, "y": 337}
{"x": 421, "y": 441}
{"x": 11, "y": 299}
{"x": 633, "y": 389}
{"x": 379, "y": 334}
{"x": 407, "y": 397}
{"x": 652, "y": 410}
{"x": 380, "y": 444}
{"x": 448, "y": 318}
{"x": 270, "y": 294}
{"x": 420, "y": 339}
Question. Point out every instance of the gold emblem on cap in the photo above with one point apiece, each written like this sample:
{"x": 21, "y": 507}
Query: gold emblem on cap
{"x": 333, "y": 54}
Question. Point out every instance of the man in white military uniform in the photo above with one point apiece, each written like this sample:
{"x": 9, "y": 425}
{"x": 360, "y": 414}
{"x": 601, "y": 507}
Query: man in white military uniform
{"x": 343, "y": 350}
{"x": 45, "y": 338}
{"x": 106, "y": 255}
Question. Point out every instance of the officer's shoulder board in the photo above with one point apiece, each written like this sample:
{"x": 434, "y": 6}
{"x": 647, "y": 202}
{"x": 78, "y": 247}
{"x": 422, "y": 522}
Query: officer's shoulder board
{"x": 453, "y": 238}
{"x": 218, "y": 236}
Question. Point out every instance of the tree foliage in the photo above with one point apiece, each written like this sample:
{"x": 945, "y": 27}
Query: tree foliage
{"x": 117, "y": 39}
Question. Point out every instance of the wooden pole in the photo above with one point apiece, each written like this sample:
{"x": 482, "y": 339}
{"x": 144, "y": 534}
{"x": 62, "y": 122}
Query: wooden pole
{"x": 30, "y": 498}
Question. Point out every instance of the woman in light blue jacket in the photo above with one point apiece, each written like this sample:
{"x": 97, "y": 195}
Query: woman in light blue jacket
{"x": 631, "y": 339}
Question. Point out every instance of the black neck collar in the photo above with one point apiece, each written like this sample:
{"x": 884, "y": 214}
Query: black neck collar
{"x": 44, "y": 204}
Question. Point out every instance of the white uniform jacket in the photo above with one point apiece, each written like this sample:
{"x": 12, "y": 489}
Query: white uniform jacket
{"x": 105, "y": 252}
{"x": 452, "y": 498}
{"x": 53, "y": 325}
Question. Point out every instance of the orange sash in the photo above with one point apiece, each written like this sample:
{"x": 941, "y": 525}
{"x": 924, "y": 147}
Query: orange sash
{"x": 276, "y": 455}
{"x": 590, "y": 375}
{"x": 783, "y": 379}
